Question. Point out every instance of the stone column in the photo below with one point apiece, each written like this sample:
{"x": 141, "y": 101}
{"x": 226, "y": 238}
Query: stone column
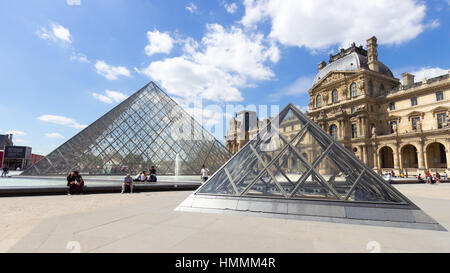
{"x": 376, "y": 159}
{"x": 421, "y": 159}
{"x": 364, "y": 154}
{"x": 396, "y": 160}
{"x": 447, "y": 152}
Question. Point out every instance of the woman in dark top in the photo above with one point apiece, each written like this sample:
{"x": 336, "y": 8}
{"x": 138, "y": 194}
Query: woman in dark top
{"x": 75, "y": 183}
{"x": 71, "y": 183}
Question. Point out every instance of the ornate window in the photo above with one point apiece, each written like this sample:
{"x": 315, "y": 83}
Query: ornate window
{"x": 334, "y": 131}
{"x": 370, "y": 87}
{"x": 353, "y": 109}
{"x": 392, "y": 106}
{"x": 413, "y": 101}
{"x": 319, "y": 101}
{"x": 353, "y": 90}
{"x": 354, "y": 131}
{"x": 439, "y": 95}
{"x": 334, "y": 96}
{"x": 441, "y": 120}
{"x": 415, "y": 121}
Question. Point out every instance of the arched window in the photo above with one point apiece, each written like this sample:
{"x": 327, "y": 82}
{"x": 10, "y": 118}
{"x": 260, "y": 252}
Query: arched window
{"x": 334, "y": 96}
{"x": 319, "y": 101}
{"x": 353, "y": 90}
{"x": 333, "y": 131}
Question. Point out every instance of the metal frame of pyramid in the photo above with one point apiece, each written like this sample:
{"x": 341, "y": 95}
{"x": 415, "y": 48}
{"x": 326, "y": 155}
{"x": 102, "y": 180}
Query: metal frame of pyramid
{"x": 294, "y": 169}
{"x": 147, "y": 129}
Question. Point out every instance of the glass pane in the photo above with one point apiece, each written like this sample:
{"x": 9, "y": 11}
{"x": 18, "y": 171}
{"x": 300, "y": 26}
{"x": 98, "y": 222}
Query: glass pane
{"x": 341, "y": 172}
{"x": 373, "y": 189}
{"x": 265, "y": 186}
{"x": 219, "y": 184}
{"x": 313, "y": 188}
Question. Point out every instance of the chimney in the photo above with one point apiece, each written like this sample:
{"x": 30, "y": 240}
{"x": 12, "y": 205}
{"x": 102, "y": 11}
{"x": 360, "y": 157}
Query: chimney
{"x": 10, "y": 139}
{"x": 372, "y": 54}
{"x": 322, "y": 65}
{"x": 408, "y": 79}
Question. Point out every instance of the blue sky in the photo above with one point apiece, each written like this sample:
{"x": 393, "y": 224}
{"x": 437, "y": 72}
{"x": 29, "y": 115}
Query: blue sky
{"x": 64, "y": 63}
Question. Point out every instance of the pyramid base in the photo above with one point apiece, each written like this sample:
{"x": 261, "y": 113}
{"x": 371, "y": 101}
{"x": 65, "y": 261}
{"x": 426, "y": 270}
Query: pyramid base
{"x": 401, "y": 216}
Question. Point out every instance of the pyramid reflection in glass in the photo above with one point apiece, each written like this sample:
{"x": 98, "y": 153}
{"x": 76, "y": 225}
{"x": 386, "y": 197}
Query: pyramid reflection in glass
{"x": 147, "y": 129}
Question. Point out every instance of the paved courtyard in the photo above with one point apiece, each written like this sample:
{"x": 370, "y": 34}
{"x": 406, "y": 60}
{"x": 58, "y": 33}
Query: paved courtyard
{"x": 146, "y": 222}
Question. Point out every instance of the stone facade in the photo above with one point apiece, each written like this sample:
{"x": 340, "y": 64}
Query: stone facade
{"x": 387, "y": 124}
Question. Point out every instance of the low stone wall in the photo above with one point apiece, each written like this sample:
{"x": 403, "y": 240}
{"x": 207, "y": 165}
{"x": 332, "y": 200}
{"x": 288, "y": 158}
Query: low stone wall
{"x": 61, "y": 190}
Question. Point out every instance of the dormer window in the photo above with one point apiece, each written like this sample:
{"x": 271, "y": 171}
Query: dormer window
{"x": 319, "y": 101}
{"x": 353, "y": 90}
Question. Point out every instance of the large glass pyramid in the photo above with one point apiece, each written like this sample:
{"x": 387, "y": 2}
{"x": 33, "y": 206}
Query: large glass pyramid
{"x": 147, "y": 129}
{"x": 293, "y": 168}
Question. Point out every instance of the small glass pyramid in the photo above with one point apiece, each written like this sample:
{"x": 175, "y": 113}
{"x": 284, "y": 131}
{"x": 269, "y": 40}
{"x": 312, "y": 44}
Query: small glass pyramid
{"x": 147, "y": 129}
{"x": 293, "y": 158}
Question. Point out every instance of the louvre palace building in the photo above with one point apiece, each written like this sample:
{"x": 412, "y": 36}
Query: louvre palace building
{"x": 390, "y": 125}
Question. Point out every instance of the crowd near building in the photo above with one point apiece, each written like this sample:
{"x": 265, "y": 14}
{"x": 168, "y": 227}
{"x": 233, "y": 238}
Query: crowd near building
{"x": 391, "y": 125}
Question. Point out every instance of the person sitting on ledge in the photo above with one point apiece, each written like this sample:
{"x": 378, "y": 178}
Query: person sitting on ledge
{"x": 75, "y": 183}
{"x": 79, "y": 183}
{"x": 143, "y": 177}
{"x": 138, "y": 177}
{"x": 127, "y": 183}
{"x": 153, "y": 177}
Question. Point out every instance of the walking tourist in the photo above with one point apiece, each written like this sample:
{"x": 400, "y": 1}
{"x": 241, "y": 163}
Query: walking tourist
{"x": 5, "y": 171}
{"x": 389, "y": 178}
{"x": 419, "y": 178}
{"x": 127, "y": 183}
{"x": 153, "y": 177}
{"x": 204, "y": 172}
{"x": 445, "y": 175}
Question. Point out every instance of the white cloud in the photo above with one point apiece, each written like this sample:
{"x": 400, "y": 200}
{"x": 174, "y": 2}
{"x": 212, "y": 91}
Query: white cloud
{"x": 73, "y": 2}
{"x": 319, "y": 24}
{"x": 191, "y": 8}
{"x": 110, "y": 96}
{"x": 299, "y": 87}
{"x": 54, "y": 135}
{"x": 111, "y": 72}
{"x": 55, "y": 33}
{"x": 61, "y": 120}
{"x": 79, "y": 57}
{"x": 429, "y": 72}
{"x": 230, "y": 8}
{"x": 16, "y": 133}
{"x": 22, "y": 141}
{"x": 159, "y": 43}
{"x": 214, "y": 69}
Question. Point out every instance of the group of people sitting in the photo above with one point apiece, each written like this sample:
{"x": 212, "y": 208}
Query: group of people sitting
{"x": 140, "y": 177}
{"x": 143, "y": 177}
{"x": 432, "y": 178}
